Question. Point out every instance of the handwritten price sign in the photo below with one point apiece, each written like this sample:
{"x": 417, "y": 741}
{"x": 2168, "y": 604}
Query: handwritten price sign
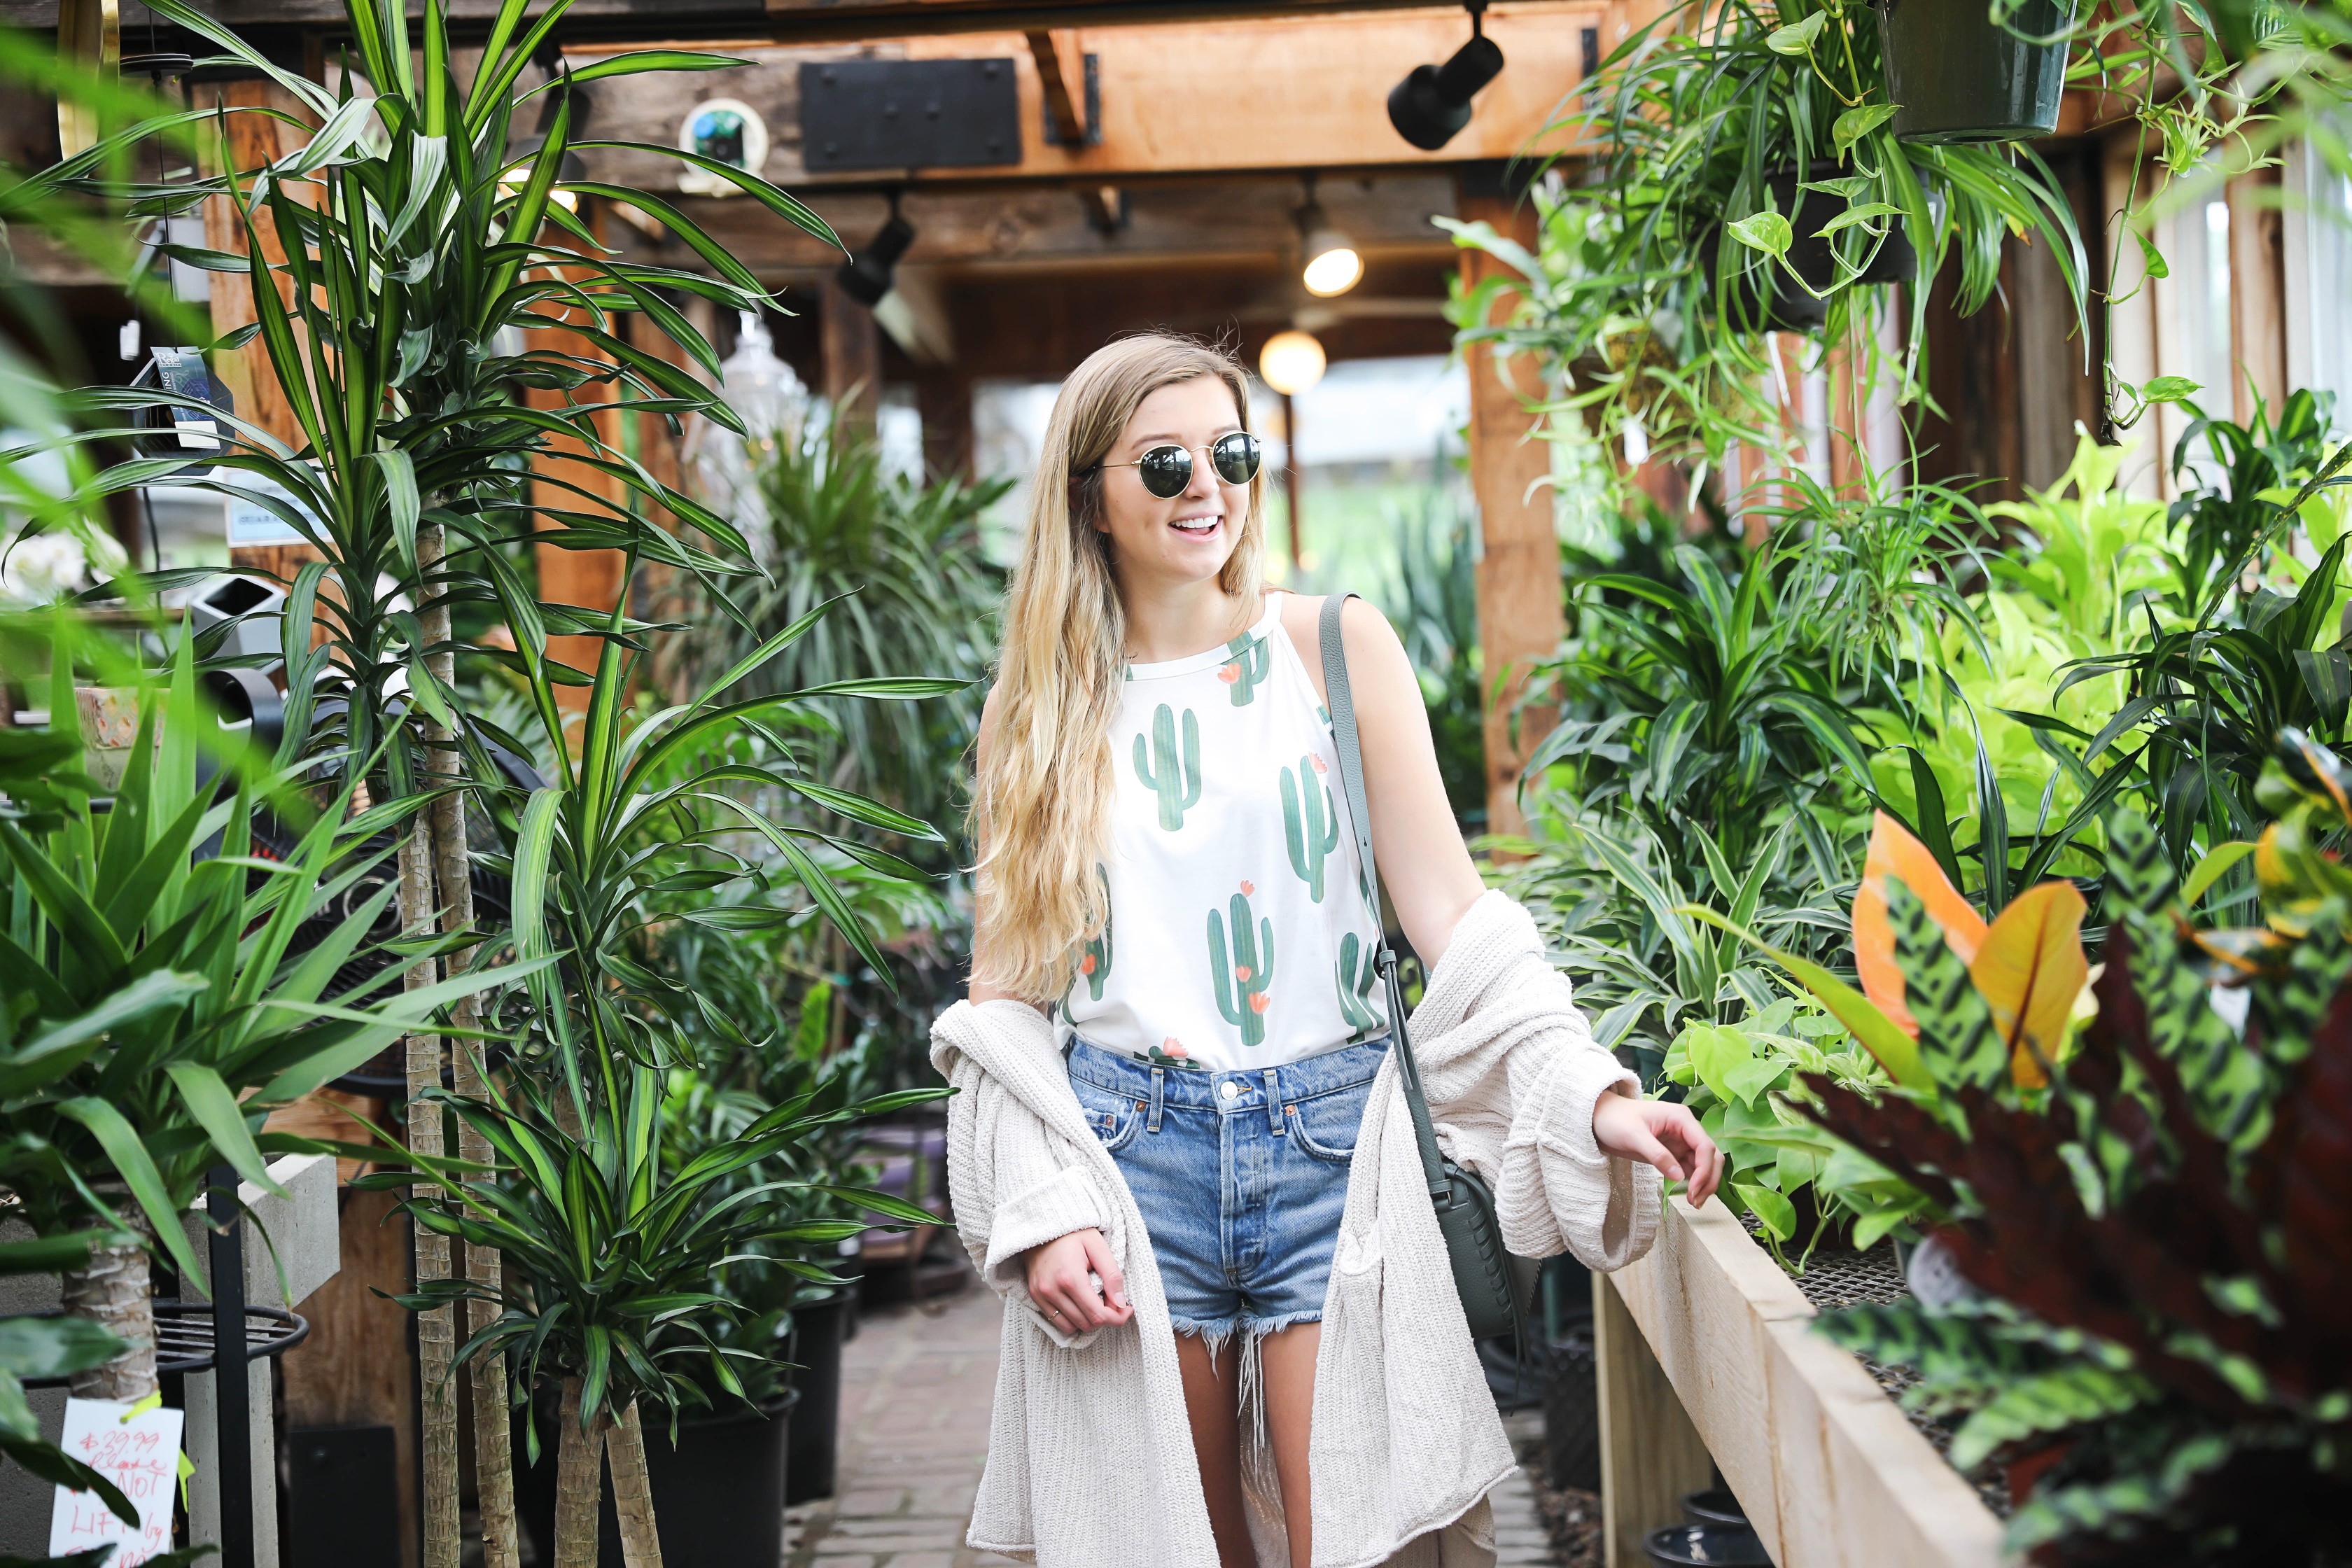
{"x": 140, "y": 1453}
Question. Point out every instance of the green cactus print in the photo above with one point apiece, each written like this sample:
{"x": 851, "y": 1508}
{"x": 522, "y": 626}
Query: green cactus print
{"x": 1309, "y": 822}
{"x": 1179, "y": 791}
{"x": 1241, "y": 988}
{"x": 1094, "y": 957}
{"x": 1356, "y": 990}
{"x": 1251, "y": 660}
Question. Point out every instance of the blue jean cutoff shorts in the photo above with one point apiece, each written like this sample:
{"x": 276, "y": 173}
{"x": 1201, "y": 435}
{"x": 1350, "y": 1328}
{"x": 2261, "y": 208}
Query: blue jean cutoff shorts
{"x": 1242, "y": 1176}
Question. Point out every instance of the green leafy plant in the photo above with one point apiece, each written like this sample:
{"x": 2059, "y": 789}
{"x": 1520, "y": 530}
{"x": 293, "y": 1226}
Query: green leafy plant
{"x": 1651, "y": 288}
{"x": 902, "y": 557}
{"x": 1713, "y": 712}
{"x": 1743, "y": 1081}
{"x": 2237, "y": 661}
{"x": 609, "y": 1254}
{"x": 153, "y": 1003}
{"x": 2140, "y": 1200}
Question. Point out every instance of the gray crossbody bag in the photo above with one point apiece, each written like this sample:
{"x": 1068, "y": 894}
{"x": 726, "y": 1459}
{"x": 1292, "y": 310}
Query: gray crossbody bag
{"x": 1494, "y": 1285}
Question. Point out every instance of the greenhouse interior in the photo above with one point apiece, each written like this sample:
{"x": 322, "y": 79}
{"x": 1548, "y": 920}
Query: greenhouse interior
{"x": 513, "y": 512}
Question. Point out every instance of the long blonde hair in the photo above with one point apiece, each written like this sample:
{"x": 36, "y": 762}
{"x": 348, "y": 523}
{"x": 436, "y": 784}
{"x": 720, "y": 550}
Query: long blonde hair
{"x": 1043, "y": 802}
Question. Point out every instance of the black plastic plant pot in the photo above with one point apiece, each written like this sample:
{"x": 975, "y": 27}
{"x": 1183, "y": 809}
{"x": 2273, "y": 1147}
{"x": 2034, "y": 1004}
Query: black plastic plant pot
{"x": 1572, "y": 1407}
{"x": 719, "y": 1495}
{"x": 1716, "y": 1506}
{"x": 1705, "y": 1546}
{"x": 1957, "y": 75}
{"x": 1792, "y": 309}
{"x": 815, "y": 1353}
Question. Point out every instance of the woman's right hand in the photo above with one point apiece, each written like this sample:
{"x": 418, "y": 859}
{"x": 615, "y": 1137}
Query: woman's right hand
{"x": 1058, "y": 1283}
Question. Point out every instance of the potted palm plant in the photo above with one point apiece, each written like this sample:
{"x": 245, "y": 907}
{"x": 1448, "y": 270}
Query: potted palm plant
{"x": 425, "y": 241}
{"x": 609, "y": 1251}
{"x": 160, "y": 983}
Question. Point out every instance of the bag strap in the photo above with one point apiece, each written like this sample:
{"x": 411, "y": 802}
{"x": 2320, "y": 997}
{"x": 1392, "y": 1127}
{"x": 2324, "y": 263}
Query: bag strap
{"x": 1340, "y": 698}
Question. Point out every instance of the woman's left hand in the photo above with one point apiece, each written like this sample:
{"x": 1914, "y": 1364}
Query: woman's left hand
{"x": 1657, "y": 1133}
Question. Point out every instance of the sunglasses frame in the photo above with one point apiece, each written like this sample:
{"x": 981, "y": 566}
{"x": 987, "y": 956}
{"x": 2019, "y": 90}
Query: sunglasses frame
{"x": 1256, "y": 461}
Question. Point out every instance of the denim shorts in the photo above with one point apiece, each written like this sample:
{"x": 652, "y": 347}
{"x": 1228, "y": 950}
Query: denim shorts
{"x": 1242, "y": 1176}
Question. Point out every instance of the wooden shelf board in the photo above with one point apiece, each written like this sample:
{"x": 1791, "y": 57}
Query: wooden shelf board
{"x": 1829, "y": 1470}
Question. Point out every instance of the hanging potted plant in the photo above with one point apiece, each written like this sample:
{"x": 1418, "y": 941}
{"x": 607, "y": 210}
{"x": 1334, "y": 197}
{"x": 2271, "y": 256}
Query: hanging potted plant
{"x": 1748, "y": 180}
{"x": 1959, "y": 73}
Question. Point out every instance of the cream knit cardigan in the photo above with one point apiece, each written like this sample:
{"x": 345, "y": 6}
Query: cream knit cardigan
{"x": 1091, "y": 1459}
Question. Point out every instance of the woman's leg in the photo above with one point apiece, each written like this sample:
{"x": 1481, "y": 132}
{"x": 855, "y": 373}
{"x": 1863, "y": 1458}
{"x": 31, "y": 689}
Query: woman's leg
{"x": 1288, "y": 1370}
{"x": 1211, "y": 1400}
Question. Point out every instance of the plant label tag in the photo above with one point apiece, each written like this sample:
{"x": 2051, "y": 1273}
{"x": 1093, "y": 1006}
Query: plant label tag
{"x": 141, "y": 1455}
{"x": 250, "y": 522}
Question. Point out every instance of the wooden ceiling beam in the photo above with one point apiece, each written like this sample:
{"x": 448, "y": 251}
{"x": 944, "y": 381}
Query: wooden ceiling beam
{"x": 750, "y": 23}
{"x": 1270, "y": 93}
{"x": 1152, "y": 226}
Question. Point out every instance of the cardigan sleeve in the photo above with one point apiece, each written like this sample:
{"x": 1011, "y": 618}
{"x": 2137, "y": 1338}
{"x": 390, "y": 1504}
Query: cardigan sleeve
{"x": 1559, "y": 1191}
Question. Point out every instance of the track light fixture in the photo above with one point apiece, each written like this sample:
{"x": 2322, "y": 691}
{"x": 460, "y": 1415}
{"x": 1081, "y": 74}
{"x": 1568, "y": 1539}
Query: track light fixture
{"x": 1433, "y": 102}
{"x": 1328, "y": 261}
{"x": 865, "y": 277}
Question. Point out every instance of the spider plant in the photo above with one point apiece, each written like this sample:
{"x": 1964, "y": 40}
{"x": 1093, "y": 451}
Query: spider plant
{"x": 1717, "y": 129}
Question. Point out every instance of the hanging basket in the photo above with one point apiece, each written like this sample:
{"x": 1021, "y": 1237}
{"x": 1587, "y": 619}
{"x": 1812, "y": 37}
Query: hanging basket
{"x": 1957, "y": 75}
{"x": 1792, "y": 308}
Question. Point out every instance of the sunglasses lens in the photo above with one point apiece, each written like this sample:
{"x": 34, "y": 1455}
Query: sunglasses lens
{"x": 1236, "y": 458}
{"x": 1165, "y": 472}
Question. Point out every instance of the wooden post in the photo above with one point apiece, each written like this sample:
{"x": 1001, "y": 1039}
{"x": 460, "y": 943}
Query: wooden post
{"x": 591, "y": 579}
{"x": 1290, "y": 481}
{"x": 1649, "y": 1453}
{"x": 255, "y": 139}
{"x": 2257, "y": 292}
{"x": 851, "y": 346}
{"x": 1519, "y": 613}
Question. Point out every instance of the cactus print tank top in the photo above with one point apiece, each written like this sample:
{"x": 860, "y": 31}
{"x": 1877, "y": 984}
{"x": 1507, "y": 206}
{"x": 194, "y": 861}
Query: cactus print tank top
{"x": 1239, "y": 934}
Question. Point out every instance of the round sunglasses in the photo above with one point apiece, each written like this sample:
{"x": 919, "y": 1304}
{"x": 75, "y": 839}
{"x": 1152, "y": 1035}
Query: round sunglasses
{"x": 1167, "y": 471}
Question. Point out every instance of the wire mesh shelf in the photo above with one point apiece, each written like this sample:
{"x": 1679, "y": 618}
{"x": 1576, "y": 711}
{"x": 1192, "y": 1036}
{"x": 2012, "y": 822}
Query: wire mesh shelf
{"x": 184, "y": 1337}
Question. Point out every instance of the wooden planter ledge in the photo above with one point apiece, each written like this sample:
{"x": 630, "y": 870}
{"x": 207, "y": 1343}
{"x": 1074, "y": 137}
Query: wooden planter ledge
{"x": 1705, "y": 1349}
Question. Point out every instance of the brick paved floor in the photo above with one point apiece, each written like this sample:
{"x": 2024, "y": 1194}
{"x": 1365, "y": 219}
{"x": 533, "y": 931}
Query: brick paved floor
{"x": 916, "y": 1387}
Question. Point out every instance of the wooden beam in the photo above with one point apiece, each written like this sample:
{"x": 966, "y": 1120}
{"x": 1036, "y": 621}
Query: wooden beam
{"x": 1061, "y": 65}
{"x": 852, "y": 347}
{"x": 735, "y": 23}
{"x": 1519, "y": 613}
{"x": 1649, "y": 1453}
{"x": 1316, "y": 91}
{"x": 1828, "y": 1471}
{"x": 1166, "y": 222}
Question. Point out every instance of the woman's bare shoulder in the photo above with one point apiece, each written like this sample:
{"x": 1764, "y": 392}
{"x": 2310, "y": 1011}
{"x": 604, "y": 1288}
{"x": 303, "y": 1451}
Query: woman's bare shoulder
{"x": 1371, "y": 644}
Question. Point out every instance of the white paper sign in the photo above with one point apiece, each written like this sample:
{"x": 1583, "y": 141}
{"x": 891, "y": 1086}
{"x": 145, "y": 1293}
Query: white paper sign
{"x": 140, "y": 1453}
{"x": 251, "y": 524}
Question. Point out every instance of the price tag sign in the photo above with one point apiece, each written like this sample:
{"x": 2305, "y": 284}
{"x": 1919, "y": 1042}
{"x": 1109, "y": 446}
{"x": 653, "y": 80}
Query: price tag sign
{"x": 141, "y": 1455}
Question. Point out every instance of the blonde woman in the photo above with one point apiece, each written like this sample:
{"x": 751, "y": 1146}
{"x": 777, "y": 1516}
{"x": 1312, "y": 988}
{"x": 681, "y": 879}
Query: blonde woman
{"x": 1178, "y": 1149}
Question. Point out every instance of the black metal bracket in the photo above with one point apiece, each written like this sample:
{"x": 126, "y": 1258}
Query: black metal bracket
{"x": 1093, "y": 137}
